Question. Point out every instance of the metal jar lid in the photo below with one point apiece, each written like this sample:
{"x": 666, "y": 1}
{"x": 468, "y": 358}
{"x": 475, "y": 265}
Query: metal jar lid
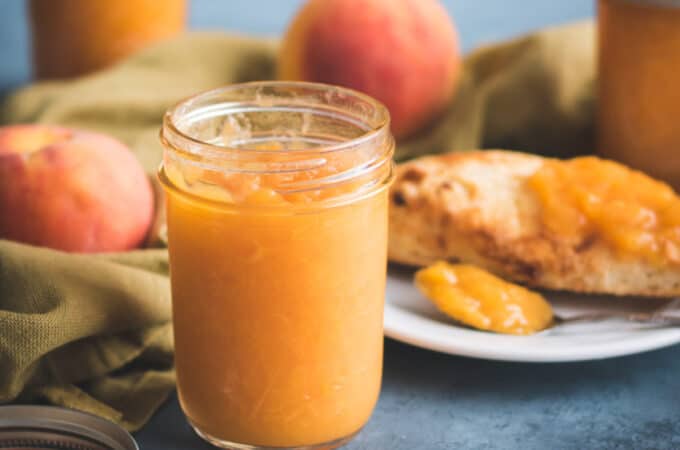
{"x": 49, "y": 427}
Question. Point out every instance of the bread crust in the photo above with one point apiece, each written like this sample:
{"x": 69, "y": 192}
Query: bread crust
{"x": 475, "y": 207}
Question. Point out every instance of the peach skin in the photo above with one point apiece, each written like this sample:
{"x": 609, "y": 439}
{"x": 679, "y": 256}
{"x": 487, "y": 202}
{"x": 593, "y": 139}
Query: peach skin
{"x": 71, "y": 190}
{"x": 404, "y": 53}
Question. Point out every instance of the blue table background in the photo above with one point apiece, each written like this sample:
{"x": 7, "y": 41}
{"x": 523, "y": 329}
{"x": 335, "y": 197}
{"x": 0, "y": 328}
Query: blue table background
{"x": 431, "y": 401}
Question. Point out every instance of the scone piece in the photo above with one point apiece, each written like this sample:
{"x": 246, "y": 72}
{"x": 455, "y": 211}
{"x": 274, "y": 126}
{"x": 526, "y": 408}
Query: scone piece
{"x": 477, "y": 207}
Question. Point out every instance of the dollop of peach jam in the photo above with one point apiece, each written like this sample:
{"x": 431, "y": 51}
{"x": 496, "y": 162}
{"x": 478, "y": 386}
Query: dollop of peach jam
{"x": 481, "y": 300}
{"x": 588, "y": 198}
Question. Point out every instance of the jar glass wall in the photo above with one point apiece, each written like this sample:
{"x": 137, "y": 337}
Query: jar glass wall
{"x": 75, "y": 37}
{"x": 277, "y": 231}
{"x": 639, "y": 93}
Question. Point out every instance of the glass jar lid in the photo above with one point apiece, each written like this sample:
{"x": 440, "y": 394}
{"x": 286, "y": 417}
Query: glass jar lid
{"x": 53, "y": 428}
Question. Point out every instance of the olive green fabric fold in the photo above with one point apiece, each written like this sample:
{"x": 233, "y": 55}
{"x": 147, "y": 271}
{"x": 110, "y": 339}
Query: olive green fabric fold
{"x": 78, "y": 330}
{"x": 92, "y": 332}
{"x": 534, "y": 94}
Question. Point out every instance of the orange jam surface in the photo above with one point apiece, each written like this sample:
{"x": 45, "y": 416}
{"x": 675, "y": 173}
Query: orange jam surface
{"x": 481, "y": 300}
{"x": 277, "y": 308}
{"x": 586, "y": 198}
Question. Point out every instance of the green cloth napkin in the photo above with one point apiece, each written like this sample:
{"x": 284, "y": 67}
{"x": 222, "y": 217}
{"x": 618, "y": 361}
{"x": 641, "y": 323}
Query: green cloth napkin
{"x": 88, "y": 332}
{"x": 92, "y": 332}
{"x": 534, "y": 94}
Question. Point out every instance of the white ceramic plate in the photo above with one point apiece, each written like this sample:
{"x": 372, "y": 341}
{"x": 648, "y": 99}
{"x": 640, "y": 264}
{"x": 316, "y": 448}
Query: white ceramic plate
{"x": 412, "y": 319}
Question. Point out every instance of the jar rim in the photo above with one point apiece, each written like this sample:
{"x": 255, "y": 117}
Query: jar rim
{"x": 372, "y": 131}
{"x": 363, "y": 147}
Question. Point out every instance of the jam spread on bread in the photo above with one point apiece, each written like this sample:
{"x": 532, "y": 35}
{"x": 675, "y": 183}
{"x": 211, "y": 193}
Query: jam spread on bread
{"x": 587, "y": 198}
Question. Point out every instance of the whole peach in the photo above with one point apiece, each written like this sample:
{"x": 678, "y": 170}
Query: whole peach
{"x": 404, "y": 53}
{"x": 71, "y": 190}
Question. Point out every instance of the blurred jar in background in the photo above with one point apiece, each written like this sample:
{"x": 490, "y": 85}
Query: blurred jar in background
{"x": 75, "y": 37}
{"x": 639, "y": 85}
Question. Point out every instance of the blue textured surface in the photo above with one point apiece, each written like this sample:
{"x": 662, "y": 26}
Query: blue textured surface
{"x": 431, "y": 401}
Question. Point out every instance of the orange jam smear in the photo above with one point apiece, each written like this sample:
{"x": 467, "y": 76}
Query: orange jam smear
{"x": 481, "y": 300}
{"x": 278, "y": 310}
{"x": 587, "y": 197}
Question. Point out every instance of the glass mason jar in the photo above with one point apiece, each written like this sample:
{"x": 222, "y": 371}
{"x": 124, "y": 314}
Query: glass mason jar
{"x": 277, "y": 232}
{"x": 639, "y": 92}
{"x": 76, "y": 37}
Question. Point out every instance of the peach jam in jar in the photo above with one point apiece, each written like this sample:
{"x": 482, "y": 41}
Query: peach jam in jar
{"x": 639, "y": 92}
{"x": 277, "y": 231}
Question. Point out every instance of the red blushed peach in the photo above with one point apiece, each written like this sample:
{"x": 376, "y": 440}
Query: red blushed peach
{"x": 71, "y": 190}
{"x": 402, "y": 52}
